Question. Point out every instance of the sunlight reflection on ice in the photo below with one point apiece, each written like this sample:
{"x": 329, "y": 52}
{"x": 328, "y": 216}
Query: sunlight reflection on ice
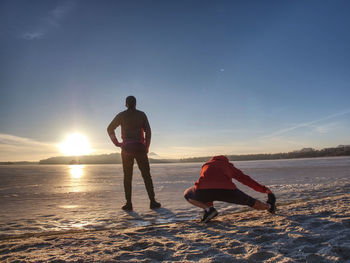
{"x": 68, "y": 206}
{"x": 76, "y": 176}
{"x": 76, "y": 171}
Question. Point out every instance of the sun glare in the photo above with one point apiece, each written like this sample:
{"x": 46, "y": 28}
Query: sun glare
{"x": 75, "y": 144}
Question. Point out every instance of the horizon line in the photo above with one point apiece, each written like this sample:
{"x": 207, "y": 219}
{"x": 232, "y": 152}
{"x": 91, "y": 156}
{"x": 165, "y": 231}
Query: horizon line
{"x": 181, "y": 158}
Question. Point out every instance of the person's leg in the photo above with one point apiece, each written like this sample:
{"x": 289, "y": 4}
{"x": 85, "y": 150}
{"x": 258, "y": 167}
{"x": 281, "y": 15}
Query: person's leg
{"x": 191, "y": 195}
{"x": 143, "y": 164}
{"x": 236, "y": 196}
{"x": 197, "y": 203}
{"x": 128, "y": 163}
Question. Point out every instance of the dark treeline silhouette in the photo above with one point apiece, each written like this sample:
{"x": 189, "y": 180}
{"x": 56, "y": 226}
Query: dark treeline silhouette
{"x": 86, "y": 159}
{"x": 21, "y": 163}
{"x": 115, "y": 158}
{"x": 341, "y": 150}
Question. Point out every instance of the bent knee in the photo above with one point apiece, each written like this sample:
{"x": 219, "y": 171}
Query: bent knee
{"x": 189, "y": 193}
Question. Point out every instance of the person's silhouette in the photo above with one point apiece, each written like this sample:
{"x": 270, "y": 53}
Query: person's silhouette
{"x": 136, "y": 139}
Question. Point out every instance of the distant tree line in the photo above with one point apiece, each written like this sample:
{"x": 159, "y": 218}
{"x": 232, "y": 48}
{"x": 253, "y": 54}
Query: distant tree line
{"x": 341, "y": 150}
{"x": 86, "y": 159}
{"x": 115, "y": 158}
{"x": 21, "y": 163}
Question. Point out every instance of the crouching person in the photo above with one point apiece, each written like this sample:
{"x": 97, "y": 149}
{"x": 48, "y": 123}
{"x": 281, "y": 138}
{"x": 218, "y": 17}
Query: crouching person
{"x": 215, "y": 184}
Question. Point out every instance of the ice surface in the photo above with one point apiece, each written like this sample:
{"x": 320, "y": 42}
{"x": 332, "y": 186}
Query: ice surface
{"x": 46, "y": 198}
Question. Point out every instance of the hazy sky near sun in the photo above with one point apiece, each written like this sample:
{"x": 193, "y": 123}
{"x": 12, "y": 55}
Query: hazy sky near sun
{"x": 214, "y": 77}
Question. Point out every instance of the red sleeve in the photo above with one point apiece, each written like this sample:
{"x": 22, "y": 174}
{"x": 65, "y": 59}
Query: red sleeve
{"x": 246, "y": 180}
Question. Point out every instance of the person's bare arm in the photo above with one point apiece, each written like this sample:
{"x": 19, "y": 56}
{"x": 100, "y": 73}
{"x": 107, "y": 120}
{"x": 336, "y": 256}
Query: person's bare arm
{"x": 148, "y": 133}
{"x": 111, "y": 130}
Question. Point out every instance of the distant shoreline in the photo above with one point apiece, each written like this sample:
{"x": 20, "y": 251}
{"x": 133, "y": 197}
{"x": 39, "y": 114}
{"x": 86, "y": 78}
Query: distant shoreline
{"x": 115, "y": 158}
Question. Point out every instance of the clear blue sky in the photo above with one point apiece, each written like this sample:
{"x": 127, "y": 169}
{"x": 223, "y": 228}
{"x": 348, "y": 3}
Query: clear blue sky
{"x": 214, "y": 77}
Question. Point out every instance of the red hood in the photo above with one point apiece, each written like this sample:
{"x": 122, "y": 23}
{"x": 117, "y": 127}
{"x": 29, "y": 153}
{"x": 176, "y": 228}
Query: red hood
{"x": 219, "y": 158}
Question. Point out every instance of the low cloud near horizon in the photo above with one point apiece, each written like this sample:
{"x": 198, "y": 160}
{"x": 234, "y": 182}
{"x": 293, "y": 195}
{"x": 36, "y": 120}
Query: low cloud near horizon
{"x": 15, "y": 148}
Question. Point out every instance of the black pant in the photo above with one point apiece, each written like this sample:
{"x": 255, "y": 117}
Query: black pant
{"x": 234, "y": 196}
{"x": 129, "y": 153}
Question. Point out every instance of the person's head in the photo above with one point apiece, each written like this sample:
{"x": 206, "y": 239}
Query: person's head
{"x": 130, "y": 102}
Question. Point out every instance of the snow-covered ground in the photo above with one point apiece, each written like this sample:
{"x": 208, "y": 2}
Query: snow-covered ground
{"x": 73, "y": 212}
{"x": 49, "y": 198}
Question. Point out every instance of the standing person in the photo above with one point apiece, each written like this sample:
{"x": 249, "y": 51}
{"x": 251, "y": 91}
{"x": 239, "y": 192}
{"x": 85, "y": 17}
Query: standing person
{"x": 215, "y": 184}
{"x": 136, "y": 136}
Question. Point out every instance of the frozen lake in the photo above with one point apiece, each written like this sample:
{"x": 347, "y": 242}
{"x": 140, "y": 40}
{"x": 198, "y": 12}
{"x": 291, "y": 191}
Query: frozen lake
{"x": 45, "y": 198}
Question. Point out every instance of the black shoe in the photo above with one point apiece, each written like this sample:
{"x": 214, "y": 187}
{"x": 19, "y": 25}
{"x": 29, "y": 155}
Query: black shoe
{"x": 154, "y": 205}
{"x": 209, "y": 215}
{"x": 127, "y": 207}
{"x": 271, "y": 199}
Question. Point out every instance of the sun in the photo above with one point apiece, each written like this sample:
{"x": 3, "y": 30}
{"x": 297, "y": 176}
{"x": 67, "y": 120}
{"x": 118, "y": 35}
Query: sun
{"x": 75, "y": 144}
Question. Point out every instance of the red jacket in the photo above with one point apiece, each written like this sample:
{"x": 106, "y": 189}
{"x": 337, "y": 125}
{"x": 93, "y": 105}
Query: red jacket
{"x": 218, "y": 174}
